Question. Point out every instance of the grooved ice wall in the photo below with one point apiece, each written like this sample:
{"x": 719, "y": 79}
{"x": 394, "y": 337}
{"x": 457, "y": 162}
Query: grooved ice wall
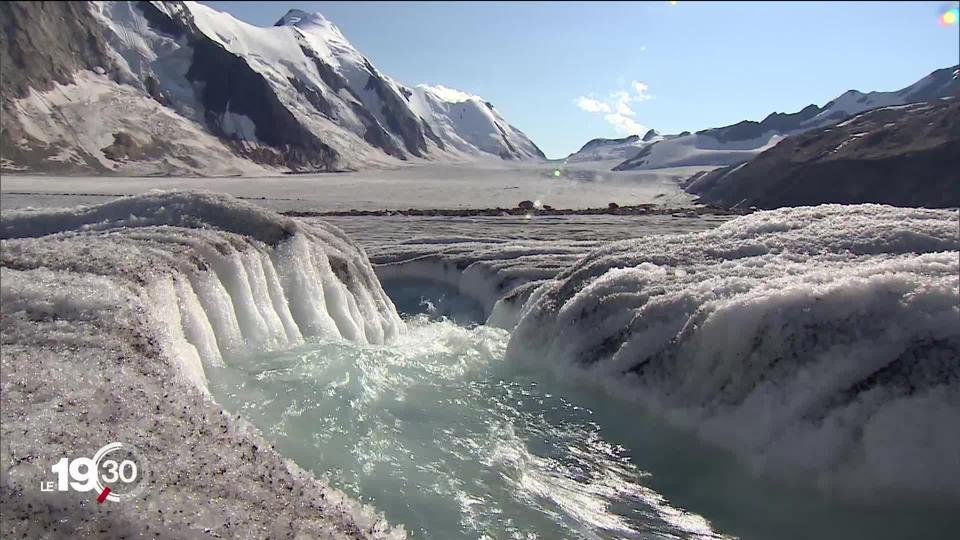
{"x": 220, "y": 277}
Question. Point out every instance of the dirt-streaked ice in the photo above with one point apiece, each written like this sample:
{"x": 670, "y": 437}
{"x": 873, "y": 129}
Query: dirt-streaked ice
{"x": 112, "y": 314}
{"x": 819, "y": 341}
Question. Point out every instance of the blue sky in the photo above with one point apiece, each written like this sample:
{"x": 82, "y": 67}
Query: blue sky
{"x": 696, "y": 64}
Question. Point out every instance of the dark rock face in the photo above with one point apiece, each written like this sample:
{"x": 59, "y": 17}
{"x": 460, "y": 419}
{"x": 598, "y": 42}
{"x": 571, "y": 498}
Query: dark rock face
{"x": 328, "y": 75}
{"x": 400, "y": 120}
{"x": 124, "y": 147}
{"x": 42, "y": 43}
{"x": 374, "y": 134}
{"x": 160, "y": 22}
{"x": 153, "y": 88}
{"x": 127, "y": 148}
{"x": 938, "y": 84}
{"x": 650, "y": 135}
{"x": 46, "y": 42}
{"x": 905, "y": 156}
{"x": 506, "y": 142}
{"x": 428, "y": 131}
{"x": 230, "y": 84}
{"x": 636, "y": 160}
{"x": 314, "y": 97}
{"x": 748, "y": 129}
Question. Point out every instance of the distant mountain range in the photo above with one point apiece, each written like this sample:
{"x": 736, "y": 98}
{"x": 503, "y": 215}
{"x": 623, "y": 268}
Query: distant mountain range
{"x": 904, "y": 155}
{"x": 180, "y": 88}
{"x": 740, "y": 142}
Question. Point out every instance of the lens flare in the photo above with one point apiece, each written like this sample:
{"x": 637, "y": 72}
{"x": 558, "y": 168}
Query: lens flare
{"x": 950, "y": 17}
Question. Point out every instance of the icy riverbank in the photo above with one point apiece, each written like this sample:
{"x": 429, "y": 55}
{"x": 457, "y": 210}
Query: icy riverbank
{"x": 112, "y": 314}
{"x": 819, "y": 342}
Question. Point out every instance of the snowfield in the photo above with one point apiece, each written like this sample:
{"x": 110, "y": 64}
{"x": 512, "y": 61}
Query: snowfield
{"x": 112, "y": 313}
{"x": 820, "y": 341}
{"x": 477, "y": 185}
{"x": 699, "y": 150}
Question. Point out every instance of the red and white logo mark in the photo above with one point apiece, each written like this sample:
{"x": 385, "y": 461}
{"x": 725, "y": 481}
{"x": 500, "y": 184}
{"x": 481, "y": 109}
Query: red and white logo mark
{"x": 115, "y": 473}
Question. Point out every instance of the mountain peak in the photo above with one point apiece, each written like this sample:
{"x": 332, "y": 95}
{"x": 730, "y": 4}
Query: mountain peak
{"x": 303, "y": 19}
{"x": 450, "y": 95}
{"x": 651, "y": 134}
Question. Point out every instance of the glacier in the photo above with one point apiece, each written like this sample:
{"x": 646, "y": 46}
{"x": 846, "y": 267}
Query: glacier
{"x": 819, "y": 344}
{"x": 111, "y": 316}
{"x": 816, "y": 346}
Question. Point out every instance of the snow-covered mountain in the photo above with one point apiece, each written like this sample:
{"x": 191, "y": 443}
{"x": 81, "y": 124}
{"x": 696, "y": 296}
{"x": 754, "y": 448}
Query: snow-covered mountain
{"x": 178, "y": 87}
{"x": 614, "y": 149}
{"x": 740, "y": 142}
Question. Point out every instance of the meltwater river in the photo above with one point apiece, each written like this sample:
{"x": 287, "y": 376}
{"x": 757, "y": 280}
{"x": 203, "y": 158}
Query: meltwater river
{"x": 450, "y": 441}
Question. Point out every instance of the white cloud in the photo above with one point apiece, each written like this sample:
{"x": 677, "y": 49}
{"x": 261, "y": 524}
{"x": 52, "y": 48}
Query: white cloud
{"x": 448, "y": 94}
{"x": 640, "y": 91}
{"x": 616, "y": 109}
{"x": 624, "y": 124}
{"x": 592, "y": 105}
{"x": 621, "y": 102}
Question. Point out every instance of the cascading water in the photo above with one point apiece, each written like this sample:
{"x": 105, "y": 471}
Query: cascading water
{"x": 438, "y": 433}
{"x": 449, "y": 440}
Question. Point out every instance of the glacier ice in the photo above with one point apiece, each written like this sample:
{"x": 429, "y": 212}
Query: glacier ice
{"x": 487, "y": 260}
{"x": 820, "y": 341}
{"x": 261, "y": 281}
{"x": 112, "y": 313}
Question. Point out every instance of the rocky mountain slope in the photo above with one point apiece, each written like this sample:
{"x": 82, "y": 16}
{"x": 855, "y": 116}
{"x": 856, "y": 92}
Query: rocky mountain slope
{"x": 901, "y": 155}
{"x": 180, "y": 88}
